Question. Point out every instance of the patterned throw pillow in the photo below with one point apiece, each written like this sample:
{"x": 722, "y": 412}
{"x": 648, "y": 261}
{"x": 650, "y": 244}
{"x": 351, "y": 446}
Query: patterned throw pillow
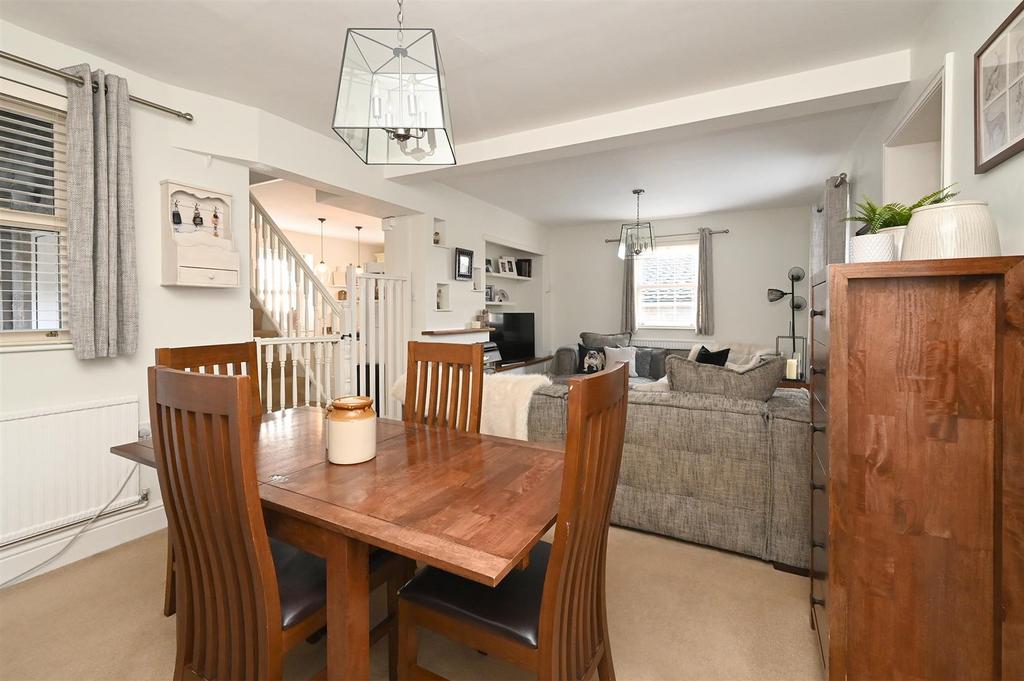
{"x": 591, "y": 360}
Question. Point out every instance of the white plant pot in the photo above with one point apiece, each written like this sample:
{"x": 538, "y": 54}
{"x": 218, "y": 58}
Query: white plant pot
{"x": 878, "y": 247}
{"x": 958, "y": 229}
{"x": 897, "y": 237}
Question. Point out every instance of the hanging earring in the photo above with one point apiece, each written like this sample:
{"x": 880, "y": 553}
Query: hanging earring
{"x": 216, "y": 221}
{"x": 175, "y": 215}
{"x": 197, "y": 219}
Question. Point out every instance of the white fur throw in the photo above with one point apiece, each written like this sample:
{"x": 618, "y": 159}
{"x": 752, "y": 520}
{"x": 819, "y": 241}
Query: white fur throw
{"x": 506, "y": 402}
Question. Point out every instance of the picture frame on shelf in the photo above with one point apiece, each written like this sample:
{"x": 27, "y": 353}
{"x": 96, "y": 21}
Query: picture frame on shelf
{"x": 999, "y": 94}
{"x": 463, "y": 264}
{"x": 489, "y": 293}
{"x": 489, "y": 265}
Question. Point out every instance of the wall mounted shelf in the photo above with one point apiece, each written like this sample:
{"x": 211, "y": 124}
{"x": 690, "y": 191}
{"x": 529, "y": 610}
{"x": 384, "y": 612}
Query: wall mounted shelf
{"x": 456, "y": 332}
{"x": 499, "y": 275}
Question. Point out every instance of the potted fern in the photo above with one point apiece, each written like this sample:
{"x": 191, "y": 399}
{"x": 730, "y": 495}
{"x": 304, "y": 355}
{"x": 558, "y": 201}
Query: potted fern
{"x": 880, "y": 236}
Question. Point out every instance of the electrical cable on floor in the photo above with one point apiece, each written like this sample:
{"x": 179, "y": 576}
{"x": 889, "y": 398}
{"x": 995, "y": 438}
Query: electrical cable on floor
{"x": 78, "y": 534}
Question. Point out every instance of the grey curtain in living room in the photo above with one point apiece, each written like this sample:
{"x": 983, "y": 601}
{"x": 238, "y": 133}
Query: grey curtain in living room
{"x": 705, "y": 305}
{"x": 101, "y": 223}
{"x": 628, "y": 301}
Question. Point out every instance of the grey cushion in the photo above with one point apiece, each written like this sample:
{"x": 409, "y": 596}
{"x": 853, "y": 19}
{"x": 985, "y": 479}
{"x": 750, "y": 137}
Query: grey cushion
{"x": 658, "y": 358}
{"x": 756, "y": 383}
{"x": 643, "y": 361}
{"x": 605, "y": 340}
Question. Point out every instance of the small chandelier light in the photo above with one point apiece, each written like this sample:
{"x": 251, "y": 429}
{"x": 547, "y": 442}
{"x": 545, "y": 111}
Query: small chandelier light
{"x": 392, "y": 106}
{"x": 636, "y": 238}
{"x": 321, "y": 269}
{"x": 359, "y": 260}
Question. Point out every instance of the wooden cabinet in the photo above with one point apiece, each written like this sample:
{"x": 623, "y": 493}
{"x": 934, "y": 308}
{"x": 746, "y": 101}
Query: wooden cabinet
{"x": 924, "y": 552}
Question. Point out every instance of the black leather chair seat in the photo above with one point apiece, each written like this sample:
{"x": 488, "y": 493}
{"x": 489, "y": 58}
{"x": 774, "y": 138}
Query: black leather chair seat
{"x": 302, "y": 580}
{"x": 511, "y": 609}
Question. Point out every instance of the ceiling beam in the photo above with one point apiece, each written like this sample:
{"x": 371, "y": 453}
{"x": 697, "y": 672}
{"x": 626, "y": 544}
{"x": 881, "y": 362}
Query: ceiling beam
{"x": 818, "y": 90}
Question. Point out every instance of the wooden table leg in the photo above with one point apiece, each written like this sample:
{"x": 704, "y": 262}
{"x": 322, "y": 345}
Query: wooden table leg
{"x": 348, "y": 609}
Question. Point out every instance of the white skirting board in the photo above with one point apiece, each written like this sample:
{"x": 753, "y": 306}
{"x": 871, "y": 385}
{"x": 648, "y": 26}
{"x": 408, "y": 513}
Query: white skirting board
{"x": 105, "y": 534}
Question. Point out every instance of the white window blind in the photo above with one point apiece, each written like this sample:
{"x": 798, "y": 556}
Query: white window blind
{"x": 33, "y": 220}
{"x": 665, "y": 287}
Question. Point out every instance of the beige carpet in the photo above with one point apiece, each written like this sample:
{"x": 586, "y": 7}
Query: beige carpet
{"x": 676, "y": 611}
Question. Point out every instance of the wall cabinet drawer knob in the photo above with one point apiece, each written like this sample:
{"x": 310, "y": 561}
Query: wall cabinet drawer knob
{"x": 817, "y": 601}
{"x": 211, "y": 276}
{"x": 816, "y": 370}
{"x": 815, "y": 428}
{"x": 818, "y": 544}
{"x": 817, "y": 313}
{"x": 818, "y": 486}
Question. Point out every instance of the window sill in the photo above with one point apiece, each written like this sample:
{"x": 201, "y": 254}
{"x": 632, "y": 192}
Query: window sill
{"x": 35, "y": 347}
{"x": 665, "y": 328}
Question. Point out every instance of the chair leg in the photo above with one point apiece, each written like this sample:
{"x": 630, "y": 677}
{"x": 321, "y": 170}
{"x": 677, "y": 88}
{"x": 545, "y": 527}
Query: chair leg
{"x": 408, "y": 643}
{"x": 170, "y": 590}
{"x": 396, "y": 582}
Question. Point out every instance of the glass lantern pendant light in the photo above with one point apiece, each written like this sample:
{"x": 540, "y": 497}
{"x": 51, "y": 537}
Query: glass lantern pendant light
{"x": 392, "y": 107}
{"x": 636, "y": 238}
{"x": 321, "y": 269}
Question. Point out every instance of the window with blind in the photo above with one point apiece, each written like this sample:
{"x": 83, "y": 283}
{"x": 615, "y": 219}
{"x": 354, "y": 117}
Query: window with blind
{"x": 33, "y": 227}
{"x": 665, "y": 287}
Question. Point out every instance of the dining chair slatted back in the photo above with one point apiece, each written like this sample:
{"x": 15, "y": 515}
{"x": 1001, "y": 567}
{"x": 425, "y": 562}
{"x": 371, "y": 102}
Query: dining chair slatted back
{"x": 228, "y": 602}
{"x": 444, "y": 385}
{"x": 574, "y": 624}
{"x": 234, "y": 359}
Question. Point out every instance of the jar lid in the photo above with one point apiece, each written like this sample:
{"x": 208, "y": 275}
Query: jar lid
{"x": 352, "y": 402}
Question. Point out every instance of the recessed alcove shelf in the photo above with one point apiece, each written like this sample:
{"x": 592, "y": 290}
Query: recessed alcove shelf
{"x": 444, "y": 300}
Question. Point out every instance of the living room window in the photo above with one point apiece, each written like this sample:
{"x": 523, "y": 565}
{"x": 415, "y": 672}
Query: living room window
{"x": 665, "y": 287}
{"x": 33, "y": 222}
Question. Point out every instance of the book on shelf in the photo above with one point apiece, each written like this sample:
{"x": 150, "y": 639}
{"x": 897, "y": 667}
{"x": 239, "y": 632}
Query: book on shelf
{"x": 524, "y": 267}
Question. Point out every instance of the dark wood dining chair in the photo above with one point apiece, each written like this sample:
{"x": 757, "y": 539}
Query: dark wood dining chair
{"x": 224, "y": 359}
{"x": 551, "y": 616}
{"x": 444, "y": 385}
{"x": 243, "y": 598}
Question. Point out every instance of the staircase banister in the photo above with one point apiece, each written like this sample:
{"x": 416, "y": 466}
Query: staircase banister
{"x": 310, "y": 273}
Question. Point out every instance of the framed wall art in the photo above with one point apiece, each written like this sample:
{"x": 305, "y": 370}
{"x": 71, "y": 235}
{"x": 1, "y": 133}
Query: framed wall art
{"x": 999, "y": 94}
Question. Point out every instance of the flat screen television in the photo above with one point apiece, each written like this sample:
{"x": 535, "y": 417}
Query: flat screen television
{"x": 513, "y": 334}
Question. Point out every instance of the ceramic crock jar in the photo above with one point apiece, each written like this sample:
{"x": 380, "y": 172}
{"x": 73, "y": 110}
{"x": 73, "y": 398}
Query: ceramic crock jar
{"x": 351, "y": 430}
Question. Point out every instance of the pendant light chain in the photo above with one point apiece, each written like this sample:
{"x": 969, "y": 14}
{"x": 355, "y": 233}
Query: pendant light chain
{"x": 400, "y": 17}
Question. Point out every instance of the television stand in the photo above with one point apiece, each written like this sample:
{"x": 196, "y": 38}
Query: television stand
{"x": 522, "y": 363}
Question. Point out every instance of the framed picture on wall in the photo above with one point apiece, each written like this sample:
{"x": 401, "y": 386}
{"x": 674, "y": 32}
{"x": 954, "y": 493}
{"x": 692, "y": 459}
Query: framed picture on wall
{"x": 999, "y": 94}
{"x": 463, "y": 264}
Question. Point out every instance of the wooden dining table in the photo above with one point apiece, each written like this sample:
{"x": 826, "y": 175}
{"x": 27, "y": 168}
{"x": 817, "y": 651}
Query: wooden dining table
{"x": 473, "y": 505}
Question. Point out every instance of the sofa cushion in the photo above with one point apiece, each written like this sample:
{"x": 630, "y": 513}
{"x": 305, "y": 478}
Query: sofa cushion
{"x": 615, "y": 356}
{"x": 601, "y": 340}
{"x": 658, "y": 357}
{"x": 755, "y": 383}
{"x": 718, "y": 357}
{"x": 592, "y": 359}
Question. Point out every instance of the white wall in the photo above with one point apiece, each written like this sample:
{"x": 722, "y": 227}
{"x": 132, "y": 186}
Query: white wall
{"x": 960, "y": 28}
{"x": 337, "y": 252}
{"x": 586, "y": 275}
{"x": 214, "y": 151}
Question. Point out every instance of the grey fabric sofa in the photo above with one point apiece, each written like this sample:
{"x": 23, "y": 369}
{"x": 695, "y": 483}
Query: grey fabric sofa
{"x": 722, "y": 472}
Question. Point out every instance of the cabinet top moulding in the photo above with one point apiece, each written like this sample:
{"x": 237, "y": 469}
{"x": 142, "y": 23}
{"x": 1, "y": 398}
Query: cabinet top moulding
{"x": 927, "y": 268}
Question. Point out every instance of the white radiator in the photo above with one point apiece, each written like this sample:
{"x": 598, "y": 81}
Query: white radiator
{"x": 56, "y": 468}
{"x": 668, "y": 343}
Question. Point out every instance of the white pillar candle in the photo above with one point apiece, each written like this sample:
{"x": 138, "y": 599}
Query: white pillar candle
{"x": 791, "y": 369}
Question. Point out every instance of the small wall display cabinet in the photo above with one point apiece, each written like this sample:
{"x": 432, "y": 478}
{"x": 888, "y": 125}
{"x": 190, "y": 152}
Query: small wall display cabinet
{"x": 198, "y": 243}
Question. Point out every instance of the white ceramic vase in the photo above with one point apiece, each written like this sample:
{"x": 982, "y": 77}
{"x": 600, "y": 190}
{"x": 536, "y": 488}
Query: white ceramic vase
{"x": 879, "y": 247}
{"x": 958, "y": 229}
{"x": 897, "y": 237}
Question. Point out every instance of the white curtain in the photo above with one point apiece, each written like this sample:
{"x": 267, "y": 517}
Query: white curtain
{"x": 101, "y": 223}
{"x": 705, "y": 298}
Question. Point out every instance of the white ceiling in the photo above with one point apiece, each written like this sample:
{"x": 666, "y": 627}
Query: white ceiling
{"x": 294, "y": 207}
{"x": 511, "y": 64}
{"x": 783, "y": 163}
